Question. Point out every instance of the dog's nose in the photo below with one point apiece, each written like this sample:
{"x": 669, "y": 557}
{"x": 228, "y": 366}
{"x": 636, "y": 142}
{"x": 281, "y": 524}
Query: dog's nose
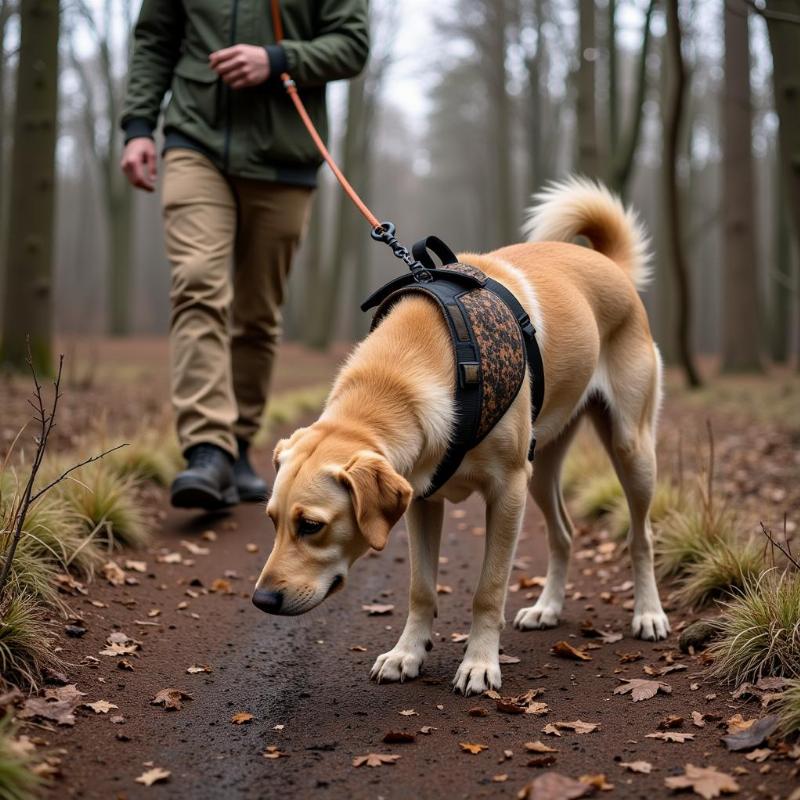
{"x": 270, "y": 602}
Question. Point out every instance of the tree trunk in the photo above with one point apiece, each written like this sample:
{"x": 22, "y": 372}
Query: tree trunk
{"x": 673, "y": 117}
{"x": 28, "y": 267}
{"x": 506, "y": 218}
{"x": 120, "y": 230}
{"x": 624, "y": 152}
{"x": 588, "y": 154}
{"x": 312, "y": 279}
{"x": 741, "y": 334}
{"x": 613, "y": 83}
{"x": 534, "y": 65}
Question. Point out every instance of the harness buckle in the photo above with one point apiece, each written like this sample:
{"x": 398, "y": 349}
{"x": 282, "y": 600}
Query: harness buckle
{"x": 526, "y": 325}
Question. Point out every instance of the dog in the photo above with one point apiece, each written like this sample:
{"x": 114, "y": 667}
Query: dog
{"x": 343, "y": 482}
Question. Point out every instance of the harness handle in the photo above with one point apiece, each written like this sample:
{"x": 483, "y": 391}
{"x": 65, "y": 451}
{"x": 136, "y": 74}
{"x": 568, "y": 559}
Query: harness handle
{"x": 436, "y": 246}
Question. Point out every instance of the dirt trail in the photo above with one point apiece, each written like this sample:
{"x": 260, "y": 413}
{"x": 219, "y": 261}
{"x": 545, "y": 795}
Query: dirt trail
{"x": 304, "y": 674}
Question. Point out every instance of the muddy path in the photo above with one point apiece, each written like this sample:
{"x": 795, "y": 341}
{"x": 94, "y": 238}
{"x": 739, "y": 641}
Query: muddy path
{"x": 305, "y": 680}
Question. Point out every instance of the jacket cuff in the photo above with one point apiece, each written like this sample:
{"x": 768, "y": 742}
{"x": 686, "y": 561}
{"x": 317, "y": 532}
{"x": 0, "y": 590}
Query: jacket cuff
{"x": 278, "y": 62}
{"x": 136, "y": 128}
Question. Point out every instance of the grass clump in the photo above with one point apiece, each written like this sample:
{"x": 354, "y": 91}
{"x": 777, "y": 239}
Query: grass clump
{"x": 151, "y": 456}
{"x": 586, "y": 457}
{"x": 760, "y": 632}
{"x": 789, "y": 709}
{"x": 17, "y": 780}
{"x": 667, "y": 498}
{"x": 598, "y": 495}
{"x": 25, "y": 640}
{"x": 106, "y": 503}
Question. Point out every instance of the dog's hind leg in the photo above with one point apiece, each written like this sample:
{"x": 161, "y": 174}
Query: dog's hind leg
{"x": 505, "y": 507}
{"x": 404, "y": 660}
{"x": 545, "y": 489}
{"x": 629, "y": 436}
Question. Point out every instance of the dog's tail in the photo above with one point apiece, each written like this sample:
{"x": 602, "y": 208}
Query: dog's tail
{"x": 582, "y": 207}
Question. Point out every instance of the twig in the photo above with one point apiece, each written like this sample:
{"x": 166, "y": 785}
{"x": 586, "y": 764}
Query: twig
{"x": 711, "y": 465}
{"x": 66, "y": 472}
{"x": 776, "y": 544}
{"x": 46, "y": 424}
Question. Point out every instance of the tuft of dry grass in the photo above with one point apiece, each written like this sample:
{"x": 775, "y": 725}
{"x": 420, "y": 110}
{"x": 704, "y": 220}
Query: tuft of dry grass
{"x": 17, "y": 779}
{"x": 667, "y": 498}
{"x": 597, "y": 495}
{"x": 586, "y": 457}
{"x": 107, "y": 505}
{"x": 287, "y": 407}
{"x": 25, "y": 640}
{"x": 789, "y": 709}
{"x": 153, "y": 455}
{"x": 760, "y": 630}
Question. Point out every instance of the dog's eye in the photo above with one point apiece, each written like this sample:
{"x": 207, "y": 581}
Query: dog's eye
{"x": 306, "y": 527}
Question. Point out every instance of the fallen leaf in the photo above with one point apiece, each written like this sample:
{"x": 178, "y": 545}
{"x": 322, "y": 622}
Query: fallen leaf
{"x": 117, "y": 649}
{"x": 113, "y": 573}
{"x": 708, "y": 782}
{"x": 539, "y": 747}
{"x": 58, "y": 711}
{"x": 399, "y": 737}
{"x": 136, "y": 566}
{"x": 504, "y": 659}
{"x": 597, "y": 782}
{"x": 358, "y": 648}
{"x": 759, "y": 754}
{"x": 408, "y": 712}
{"x": 553, "y": 786}
{"x": 154, "y": 612}
{"x": 425, "y": 730}
{"x": 578, "y": 726}
{"x": 671, "y": 736}
{"x": 100, "y": 706}
{"x": 551, "y": 730}
{"x": 537, "y": 708}
{"x": 154, "y": 775}
{"x": 377, "y": 609}
{"x": 753, "y": 735}
{"x": 642, "y": 689}
{"x": 170, "y": 698}
{"x": 457, "y": 638}
{"x": 698, "y": 719}
{"x": 221, "y": 586}
{"x": 670, "y": 722}
{"x": 499, "y": 778}
{"x": 737, "y": 723}
{"x": 197, "y": 668}
{"x": 195, "y": 549}
{"x": 643, "y": 767}
{"x": 241, "y": 717}
{"x": 566, "y": 650}
{"x": 469, "y": 747}
{"x": 443, "y": 589}
{"x": 627, "y": 658}
{"x": 169, "y": 558}
{"x": 375, "y": 760}
{"x": 272, "y": 751}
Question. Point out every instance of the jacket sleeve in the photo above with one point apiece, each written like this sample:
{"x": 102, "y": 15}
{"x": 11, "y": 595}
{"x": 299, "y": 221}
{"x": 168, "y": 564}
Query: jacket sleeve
{"x": 157, "y": 42}
{"x": 338, "y": 50}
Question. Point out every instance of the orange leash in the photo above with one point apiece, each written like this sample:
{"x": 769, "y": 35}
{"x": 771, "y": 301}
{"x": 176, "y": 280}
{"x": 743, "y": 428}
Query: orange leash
{"x": 291, "y": 90}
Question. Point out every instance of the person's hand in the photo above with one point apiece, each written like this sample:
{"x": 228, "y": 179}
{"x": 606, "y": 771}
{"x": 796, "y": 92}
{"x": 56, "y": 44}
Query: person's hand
{"x": 139, "y": 163}
{"x": 241, "y": 66}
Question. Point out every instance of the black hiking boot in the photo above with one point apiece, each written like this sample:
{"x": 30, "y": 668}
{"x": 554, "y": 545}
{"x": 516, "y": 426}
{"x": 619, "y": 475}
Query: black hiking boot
{"x": 252, "y": 487}
{"x": 207, "y": 482}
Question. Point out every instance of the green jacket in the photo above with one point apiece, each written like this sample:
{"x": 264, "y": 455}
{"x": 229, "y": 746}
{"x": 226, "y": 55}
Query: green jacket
{"x": 253, "y": 132}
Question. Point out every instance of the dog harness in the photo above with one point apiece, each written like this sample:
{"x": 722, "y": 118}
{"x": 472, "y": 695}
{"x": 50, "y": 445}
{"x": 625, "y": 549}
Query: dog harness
{"x": 493, "y": 340}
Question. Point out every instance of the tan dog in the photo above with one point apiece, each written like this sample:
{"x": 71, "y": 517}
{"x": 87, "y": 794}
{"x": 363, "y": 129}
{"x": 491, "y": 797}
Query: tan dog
{"x": 343, "y": 482}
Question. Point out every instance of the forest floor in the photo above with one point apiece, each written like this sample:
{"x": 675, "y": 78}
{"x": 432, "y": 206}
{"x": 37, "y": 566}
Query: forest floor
{"x": 281, "y": 707}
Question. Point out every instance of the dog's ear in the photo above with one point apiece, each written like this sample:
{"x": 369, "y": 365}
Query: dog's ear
{"x": 380, "y": 495}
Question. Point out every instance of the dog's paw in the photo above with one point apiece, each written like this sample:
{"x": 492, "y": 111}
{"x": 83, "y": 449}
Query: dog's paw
{"x": 476, "y": 675}
{"x": 538, "y": 616}
{"x": 399, "y": 664}
{"x": 651, "y": 625}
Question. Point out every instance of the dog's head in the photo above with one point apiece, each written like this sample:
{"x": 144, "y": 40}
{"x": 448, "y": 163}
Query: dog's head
{"x": 334, "y": 498}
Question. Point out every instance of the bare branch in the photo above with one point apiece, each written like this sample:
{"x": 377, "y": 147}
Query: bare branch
{"x": 784, "y": 548}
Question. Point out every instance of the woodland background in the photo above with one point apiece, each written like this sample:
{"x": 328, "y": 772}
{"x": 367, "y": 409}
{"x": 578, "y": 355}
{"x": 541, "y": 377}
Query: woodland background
{"x": 467, "y": 108}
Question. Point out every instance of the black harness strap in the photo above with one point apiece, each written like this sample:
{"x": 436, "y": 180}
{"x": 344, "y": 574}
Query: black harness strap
{"x": 446, "y": 287}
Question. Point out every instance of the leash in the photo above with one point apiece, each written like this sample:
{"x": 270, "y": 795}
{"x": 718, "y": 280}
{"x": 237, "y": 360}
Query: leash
{"x": 380, "y": 231}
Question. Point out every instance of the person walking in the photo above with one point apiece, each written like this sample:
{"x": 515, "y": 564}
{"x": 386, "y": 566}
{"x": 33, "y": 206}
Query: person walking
{"x": 239, "y": 171}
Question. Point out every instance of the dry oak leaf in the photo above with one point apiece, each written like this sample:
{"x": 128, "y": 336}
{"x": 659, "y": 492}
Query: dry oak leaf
{"x": 113, "y": 573}
{"x": 136, "y": 566}
{"x": 117, "y": 649}
{"x": 698, "y": 719}
{"x": 643, "y": 767}
{"x": 641, "y": 689}
{"x": 195, "y": 549}
{"x": 375, "y": 760}
{"x": 552, "y": 786}
{"x": 539, "y": 747}
{"x": 408, "y": 712}
{"x": 671, "y": 736}
{"x": 597, "y": 782}
{"x": 58, "y": 711}
{"x": 469, "y": 747}
{"x": 170, "y": 698}
{"x": 708, "y": 782}
{"x": 155, "y": 775}
{"x": 170, "y": 558}
{"x": 273, "y": 752}
{"x": 377, "y": 609}
{"x": 760, "y": 754}
{"x": 566, "y": 650}
{"x": 100, "y": 707}
{"x": 505, "y": 659}
{"x": 578, "y": 726}
{"x": 197, "y": 668}
{"x": 737, "y": 723}
{"x": 241, "y": 717}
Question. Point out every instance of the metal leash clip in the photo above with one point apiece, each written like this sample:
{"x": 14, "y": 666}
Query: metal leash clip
{"x": 386, "y": 233}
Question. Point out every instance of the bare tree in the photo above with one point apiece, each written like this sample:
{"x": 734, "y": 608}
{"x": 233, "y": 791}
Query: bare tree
{"x": 741, "y": 338}
{"x": 673, "y": 118}
{"x": 28, "y": 262}
{"x": 588, "y": 152}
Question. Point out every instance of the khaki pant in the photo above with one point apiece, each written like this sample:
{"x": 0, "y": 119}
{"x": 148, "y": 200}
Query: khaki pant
{"x": 230, "y": 242}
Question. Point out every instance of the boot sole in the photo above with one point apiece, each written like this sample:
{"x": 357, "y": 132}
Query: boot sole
{"x": 246, "y": 496}
{"x": 197, "y": 495}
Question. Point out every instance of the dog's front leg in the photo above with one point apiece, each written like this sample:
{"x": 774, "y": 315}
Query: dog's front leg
{"x": 480, "y": 669}
{"x": 424, "y": 520}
